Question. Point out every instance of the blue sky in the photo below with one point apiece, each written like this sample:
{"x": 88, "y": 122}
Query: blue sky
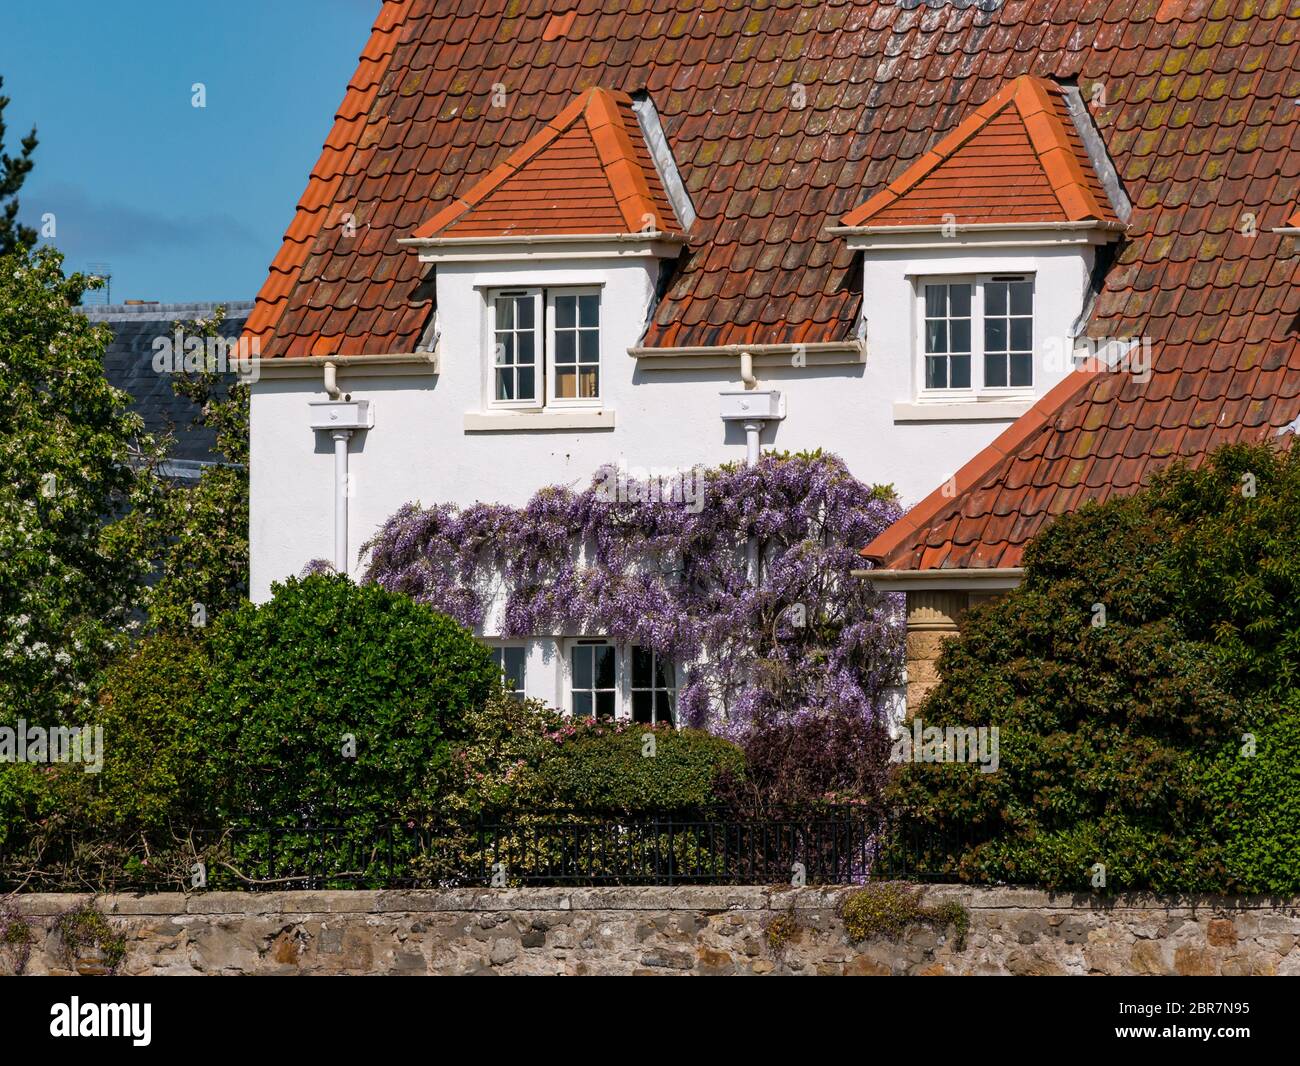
{"x": 183, "y": 203}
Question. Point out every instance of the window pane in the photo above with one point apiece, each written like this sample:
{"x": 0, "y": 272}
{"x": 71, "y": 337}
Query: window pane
{"x": 959, "y": 301}
{"x": 936, "y": 336}
{"x": 604, "y": 655}
{"x": 665, "y": 675}
{"x": 1022, "y": 334}
{"x": 959, "y": 338}
{"x": 505, "y": 349}
{"x": 512, "y": 666}
{"x": 527, "y": 389}
{"x": 605, "y": 704}
{"x": 1022, "y": 370}
{"x": 960, "y": 371}
{"x": 524, "y": 311}
{"x": 936, "y": 372}
{"x": 1022, "y": 297}
{"x": 565, "y": 347}
{"x": 525, "y": 342}
{"x": 566, "y": 312}
{"x": 588, "y": 383}
{"x": 995, "y": 371}
{"x": 995, "y": 334}
{"x": 582, "y": 704}
{"x": 995, "y": 298}
{"x": 640, "y": 668}
{"x": 505, "y": 384}
{"x": 588, "y": 310}
{"x": 589, "y": 346}
{"x": 582, "y": 666}
{"x": 566, "y": 383}
{"x": 642, "y": 706}
{"x": 505, "y": 312}
{"x": 936, "y": 304}
{"x": 663, "y": 707}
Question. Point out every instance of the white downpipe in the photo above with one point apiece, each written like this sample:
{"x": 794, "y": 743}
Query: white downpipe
{"x": 752, "y": 431}
{"x": 341, "y": 438}
{"x": 747, "y": 371}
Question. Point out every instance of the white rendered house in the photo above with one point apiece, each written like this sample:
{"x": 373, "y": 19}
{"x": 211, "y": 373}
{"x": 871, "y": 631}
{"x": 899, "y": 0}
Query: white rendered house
{"x": 576, "y": 282}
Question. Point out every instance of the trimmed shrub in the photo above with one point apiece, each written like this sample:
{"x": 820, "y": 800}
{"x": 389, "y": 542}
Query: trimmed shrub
{"x": 336, "y": 705}
{"x": 1147, "y": 634}
{"x": 631, "y": 768}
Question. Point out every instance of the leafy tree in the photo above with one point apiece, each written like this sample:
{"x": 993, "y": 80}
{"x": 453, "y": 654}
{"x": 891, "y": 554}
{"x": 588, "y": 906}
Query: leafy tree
{"x": 195, "y": 536}
{"x": 13, "y": 172}
{"x": 1124, "y": 734}
{"x": 69, "y": 466}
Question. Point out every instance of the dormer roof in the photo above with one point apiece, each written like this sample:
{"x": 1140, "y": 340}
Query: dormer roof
{"x": 587, "y": 171}
{"x": 1017, "y": 159}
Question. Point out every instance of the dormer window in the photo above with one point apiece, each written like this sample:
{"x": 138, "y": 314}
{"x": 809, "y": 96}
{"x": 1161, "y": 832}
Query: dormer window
{"x": 545, "y": 348}
{"x": 993, "y": 233}
{"x": 977, "y": 335}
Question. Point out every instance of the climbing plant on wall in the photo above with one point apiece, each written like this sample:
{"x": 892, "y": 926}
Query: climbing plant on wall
{"x": 666, "y": 565}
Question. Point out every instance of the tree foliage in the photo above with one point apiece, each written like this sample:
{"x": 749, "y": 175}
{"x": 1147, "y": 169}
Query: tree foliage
{"x": 68, "y": 469}
{"x": 1124, "y": 734}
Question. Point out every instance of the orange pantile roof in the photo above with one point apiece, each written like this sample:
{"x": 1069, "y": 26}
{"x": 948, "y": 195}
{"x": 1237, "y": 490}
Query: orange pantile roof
{"x": 588, "y": 171}
{"x": 781, "y": 118}
{"x": 1017, "y": 159}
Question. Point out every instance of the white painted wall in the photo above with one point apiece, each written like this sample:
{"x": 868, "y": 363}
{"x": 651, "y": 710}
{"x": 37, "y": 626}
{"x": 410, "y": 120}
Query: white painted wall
{"x": 419, "y": 448}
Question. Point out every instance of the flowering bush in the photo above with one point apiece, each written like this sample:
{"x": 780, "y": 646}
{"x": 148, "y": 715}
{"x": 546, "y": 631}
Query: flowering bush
{"x": 674, "y": 577}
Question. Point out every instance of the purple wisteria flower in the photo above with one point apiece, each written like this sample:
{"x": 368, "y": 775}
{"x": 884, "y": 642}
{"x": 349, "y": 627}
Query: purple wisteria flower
{"x": 807, "y": 639}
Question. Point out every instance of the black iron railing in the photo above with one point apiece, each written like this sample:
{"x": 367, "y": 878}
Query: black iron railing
{"x": 823, "y": 845}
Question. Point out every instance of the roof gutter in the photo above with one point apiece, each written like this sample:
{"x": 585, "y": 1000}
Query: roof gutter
{"x": 700, "y": 357}
{"x": 426, "y": 362}
{"x": 968, "y": 579}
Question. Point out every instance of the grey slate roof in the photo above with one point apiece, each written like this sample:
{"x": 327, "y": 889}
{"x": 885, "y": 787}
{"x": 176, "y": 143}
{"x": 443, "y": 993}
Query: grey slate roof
{"x": 128, "y": 364}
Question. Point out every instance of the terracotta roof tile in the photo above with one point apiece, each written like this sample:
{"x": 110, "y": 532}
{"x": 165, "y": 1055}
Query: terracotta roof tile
{"x": 1195, "y": 111}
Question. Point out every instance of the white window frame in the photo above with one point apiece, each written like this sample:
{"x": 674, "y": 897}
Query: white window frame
{"x": 544, "y": 349}
{"x": 501, "y": 646}
{"x": 622, "y": 678}
{"x": 978, "y": 390}
{"x": 539, "y": 346}
{"x": 632, "y": 687}
{"x": 552, "y": 348}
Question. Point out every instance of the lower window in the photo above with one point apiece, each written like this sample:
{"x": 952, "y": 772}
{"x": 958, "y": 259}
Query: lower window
{"x": 512, "y": 662}
{"x": 595, "y": 680}
{"x": 654, "y": 687}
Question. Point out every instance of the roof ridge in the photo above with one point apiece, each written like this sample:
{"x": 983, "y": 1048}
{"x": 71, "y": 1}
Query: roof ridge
{"x": 1000, "y": 450}
{"x": 1048, "y": 136}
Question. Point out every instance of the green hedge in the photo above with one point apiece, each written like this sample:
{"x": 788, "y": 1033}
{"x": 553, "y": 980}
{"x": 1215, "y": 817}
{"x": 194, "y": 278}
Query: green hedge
{"x": 640, "y": 768}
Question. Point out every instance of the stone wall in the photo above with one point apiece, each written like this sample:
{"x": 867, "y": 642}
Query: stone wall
{"x": 686, "y": 930}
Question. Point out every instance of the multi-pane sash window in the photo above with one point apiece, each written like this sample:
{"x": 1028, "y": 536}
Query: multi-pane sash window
{"x": 1008, "y": 333}
{"x": 512, "y": 661}
{"x": 545, "y": 348}
{"x": 977, "y": 334}
{"x": 654, "y": 687}
{"x": 595, "y": 680}
{"x": 516, "y": 348}
{"x": 575, "y": 357}
{"x": 947, "y": 336}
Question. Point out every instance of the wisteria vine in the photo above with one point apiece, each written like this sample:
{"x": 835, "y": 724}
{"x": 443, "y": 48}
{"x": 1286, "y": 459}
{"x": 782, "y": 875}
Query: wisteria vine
{"x": 639, "y": 568}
